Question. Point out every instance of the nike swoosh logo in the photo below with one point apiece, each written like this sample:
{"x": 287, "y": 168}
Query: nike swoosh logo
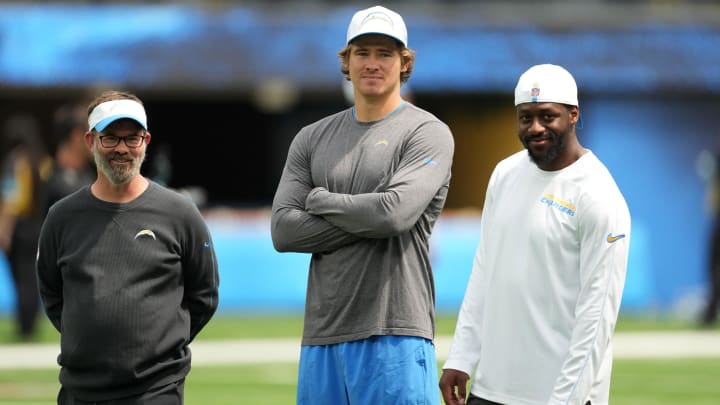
{"x": 612, "y": 239}
{"x": 145, "y": 232}
{"x": 383, "y": 142}
{"x": 206, "y": 245}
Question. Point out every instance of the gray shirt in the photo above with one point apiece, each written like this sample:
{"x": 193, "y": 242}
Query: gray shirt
{"x": 363, "y": 199}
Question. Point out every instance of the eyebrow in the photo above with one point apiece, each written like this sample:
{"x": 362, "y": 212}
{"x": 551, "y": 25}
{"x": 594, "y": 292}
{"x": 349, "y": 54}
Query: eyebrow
{"x": 113, "y": 133}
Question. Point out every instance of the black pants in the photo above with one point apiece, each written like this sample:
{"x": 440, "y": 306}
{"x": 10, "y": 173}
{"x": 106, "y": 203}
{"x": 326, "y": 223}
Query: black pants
{"x": 171, "y": 394}
{"x": 21, "y": 260}
{"x": 473, "y": 400}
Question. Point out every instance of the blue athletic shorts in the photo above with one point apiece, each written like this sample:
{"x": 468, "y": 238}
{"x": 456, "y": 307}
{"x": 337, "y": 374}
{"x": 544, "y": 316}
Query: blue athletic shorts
{"x": 394, "y": 370}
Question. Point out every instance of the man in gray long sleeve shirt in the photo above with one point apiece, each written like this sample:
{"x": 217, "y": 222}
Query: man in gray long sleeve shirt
{"x": 361, "y": 190}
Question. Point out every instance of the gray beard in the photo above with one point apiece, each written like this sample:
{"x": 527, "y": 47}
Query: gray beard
{"x": 117, "y": 175}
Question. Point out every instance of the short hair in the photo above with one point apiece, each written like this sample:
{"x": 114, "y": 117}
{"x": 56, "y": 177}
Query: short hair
{"x": 407, "y": 57}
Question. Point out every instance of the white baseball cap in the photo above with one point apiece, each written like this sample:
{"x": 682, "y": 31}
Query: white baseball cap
{"x": 377, "y": 20}
{"x": 546, "y": 84}
{"x": 106, "y": 113}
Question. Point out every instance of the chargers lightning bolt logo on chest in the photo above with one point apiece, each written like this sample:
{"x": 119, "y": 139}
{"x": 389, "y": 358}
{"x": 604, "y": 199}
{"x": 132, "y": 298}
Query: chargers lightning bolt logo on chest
{"x": 145, "y": 232}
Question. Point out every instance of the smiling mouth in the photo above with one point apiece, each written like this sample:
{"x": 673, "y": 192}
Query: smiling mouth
{"x": 538, "y": 141}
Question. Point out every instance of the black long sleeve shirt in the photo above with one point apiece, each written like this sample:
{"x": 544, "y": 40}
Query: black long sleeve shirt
{"x": 128, "y": 286}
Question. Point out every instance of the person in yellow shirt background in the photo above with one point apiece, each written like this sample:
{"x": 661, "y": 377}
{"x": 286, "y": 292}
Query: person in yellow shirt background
{"x": 25, "y": 166}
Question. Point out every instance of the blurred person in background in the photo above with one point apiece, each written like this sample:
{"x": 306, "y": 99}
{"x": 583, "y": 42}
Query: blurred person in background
{"x": 127, "y": 271}
{"x": 25, "y": 168}
{"x": 73, "y": 165}
{"x": 540, "y": 308}
{"x": 709, "y": 166}
{"x": 361, "y": 190}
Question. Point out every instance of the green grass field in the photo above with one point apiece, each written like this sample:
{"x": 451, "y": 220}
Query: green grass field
{"x": 635, "y": 382}
{"x": 242, "y": 326}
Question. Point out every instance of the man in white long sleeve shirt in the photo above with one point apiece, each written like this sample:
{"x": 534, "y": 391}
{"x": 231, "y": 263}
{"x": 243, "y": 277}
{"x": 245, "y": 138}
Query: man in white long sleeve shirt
{"x": 537, "y": 320}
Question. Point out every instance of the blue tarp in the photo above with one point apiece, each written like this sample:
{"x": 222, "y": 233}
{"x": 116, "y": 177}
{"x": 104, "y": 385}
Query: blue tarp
{"x": 180, "y": 46}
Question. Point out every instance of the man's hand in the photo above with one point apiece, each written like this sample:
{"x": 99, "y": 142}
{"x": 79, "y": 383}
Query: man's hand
{"x": 449, "y": 381}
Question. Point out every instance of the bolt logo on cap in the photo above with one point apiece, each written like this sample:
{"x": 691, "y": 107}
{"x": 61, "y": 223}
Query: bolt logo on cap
{"x": 378, "y": 20}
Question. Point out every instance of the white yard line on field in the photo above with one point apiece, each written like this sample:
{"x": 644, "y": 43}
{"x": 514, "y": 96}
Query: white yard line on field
{"x": 249, "y": 351}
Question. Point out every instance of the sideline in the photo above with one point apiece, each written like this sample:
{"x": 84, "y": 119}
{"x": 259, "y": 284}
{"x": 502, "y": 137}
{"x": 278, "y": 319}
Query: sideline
{"x": 627, "y": 345}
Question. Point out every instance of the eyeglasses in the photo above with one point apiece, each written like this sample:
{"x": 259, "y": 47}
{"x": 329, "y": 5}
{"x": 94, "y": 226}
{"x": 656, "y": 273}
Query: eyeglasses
{"x": 111, "y": 141}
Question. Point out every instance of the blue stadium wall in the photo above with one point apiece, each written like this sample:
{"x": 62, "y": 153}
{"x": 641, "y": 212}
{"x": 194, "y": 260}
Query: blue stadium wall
{"x": 650, "y": 97}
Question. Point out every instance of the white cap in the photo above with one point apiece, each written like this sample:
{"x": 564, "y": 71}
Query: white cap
{"x": 106, "y": 113}
{"x": 377, "y": 20}
{"x": 546, "y": 84}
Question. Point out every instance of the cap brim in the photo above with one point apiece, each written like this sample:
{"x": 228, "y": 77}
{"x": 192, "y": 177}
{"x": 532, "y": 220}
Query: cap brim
{"x": 376, "y": 33}
{"x": 101, "y": 125}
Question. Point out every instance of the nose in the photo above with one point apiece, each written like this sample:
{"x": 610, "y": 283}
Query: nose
{"x": 535, "y": 126}
{"x": 371, "y": 64}
{"x": 121, "y": 147}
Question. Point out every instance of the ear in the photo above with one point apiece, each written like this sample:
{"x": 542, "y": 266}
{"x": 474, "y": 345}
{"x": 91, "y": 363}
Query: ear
{"x": 404, "y": 63}
{"x": 89, "y": 140}
{"x": 574, "y": 114}
{"x": 147, "y": 137}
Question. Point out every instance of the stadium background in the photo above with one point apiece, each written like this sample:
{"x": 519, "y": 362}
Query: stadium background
{"x": 228, "y": 84}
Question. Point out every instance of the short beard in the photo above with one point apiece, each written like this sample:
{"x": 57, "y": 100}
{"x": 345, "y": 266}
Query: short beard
{"x": 117, "y": 175}
{"x": 555, "y": 150}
